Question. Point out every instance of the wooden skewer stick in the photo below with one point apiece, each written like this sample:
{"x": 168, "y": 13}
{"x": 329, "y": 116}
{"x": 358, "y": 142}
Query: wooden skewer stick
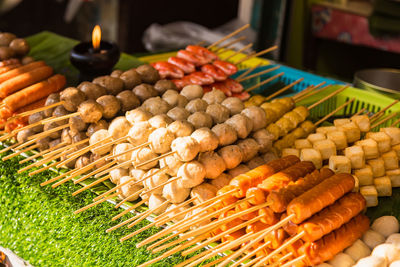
{"x": 105, "y": 166}
{"x": 42, "y": 169}
{"x": 95, "y": 203}
{"x": 249, "y": 255}
{"x": 20, "y": 152}
{"x": 120, "y": 165}
{"x": 313, "y": 92}
{"x": 22, "y": 145}
{"x": 258, "y": 74}
{"x": 257, "y": 54}
{"x": 292, "y": 262}
{"x": 42, "y": 153}
{"x": 287, "y": 256}
{"x": 248, "y": 71}
{"x": 155, "y": 159}
{"x": 100, "y": 180}
{"x": 395, "y": 123}
{"x": 382, "y": 111}
{"x": 48, "y": 132}
{"x": 195, "y": 257}
{"x": 229, "y": 44}
{"x": 161, "y": 185}
{"x": 280, "y": 91}
{"x": 334, "y": 111}
{"x": 128, "y": 197}
{"x": 229, "y": 36}
{"x": 181, "y": 205}
{"x": 128, "y": 210}
{"x": 144, "y": 216}
{"x": 57, "y": 178}
{"x": 360, "y": 111}
{"x": 30, "y": 112}
{"x": 87, "y": 167}
{"x": 391, "y": 116}
{"x": 215, "y": 262}
{"x": 244, "y": 48}
{"x": 307, "y": 90}
{"x": 7, "y": 136}
{"x": 327, "y": 97}
{"x": 264, "y": 82}
{"x": 60, "y": 118}
{"x": 127, "y": 151}
{"x": 10, "y": 147}
{"x": 121, "y": 139}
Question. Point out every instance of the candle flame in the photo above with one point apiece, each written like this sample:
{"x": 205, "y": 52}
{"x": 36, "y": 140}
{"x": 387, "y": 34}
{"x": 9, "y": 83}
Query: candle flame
{"x": 96, "y": 37}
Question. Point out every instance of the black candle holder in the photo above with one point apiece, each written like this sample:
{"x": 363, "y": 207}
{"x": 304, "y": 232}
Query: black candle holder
{"x": 92, "y": 63}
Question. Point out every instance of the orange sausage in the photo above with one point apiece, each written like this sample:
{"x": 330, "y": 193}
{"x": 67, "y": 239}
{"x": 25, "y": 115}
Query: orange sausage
{"x": 15, "y": 72}
{"x": 244, "y": 206}
{"x": 9, "y": 67}
{"x": 255, "y": 196}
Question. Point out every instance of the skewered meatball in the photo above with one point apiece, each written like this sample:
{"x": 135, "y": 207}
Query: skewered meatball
{"x": 172, "y": 163}
{"x": 196, "y": 105}
{"x": 255, "y": 162}
{"x": 213, "y": 164}
{"x": 72, "y": 98}
{"x": 58, "y": 112}
{"x": 119, "y": 127}
{"x": 90, "y": 111}
{"x": 137, "y": 115}
{"x": 191, "y": 174}
{"x": 51, "y": 99}
{"x": 218, "y": 112}
{"x": 128, "y": 100}
{"x": 82, "y": 161}
{"x": 97, "y": 137}
{"x": 94, "y": 127}
{"x": 131, "y": 79}
{"x": 178, "y": 113}
{"x": 139, "y": 133}
{"x": 232, "y": 155}
{"x": 121, "y": 148}
{"x": 234, "y": 104}
{"x": 52, "y": 125}
{"x": 257, "y": 115}
{"x": 174, "y": 99}
{"x": 176, "y": 213}
{"x": 161, "y": 140}
{"x": 113, "y": 85}
{"x": 240, "y": 169}
{"x": 156, "y": 106}
{"x": 155, "y": 180}
{"x": 242, "y": 125}
{"x": 6, "y": 38}
{"x": 161, "y": 120}
{"x": 148, "y": 74}
{"x": 225, "y": 133}
{"x": 200, "y": 119}
{"x": 116, "y": 73}
{"x": 249, "y": 148}
{"x": 34, "y": 118}
{"x": 117, "y": 174}
{"x": 269, "y": 156}
{"x": 22, "y": 136}
{"x": 142, "y": 155}
{"x": 180, "y": 128}
{"x": 44, "y": 143}
{"x": 91, "y": 90}
{"x": 163, "y": 85}
{"x": 65, "y": 136}
{"x": 100, "y": 161}
{"x": 192, "y": 92}
{"x": 175, "y": 193}
{"x": 111, "y": 106}
{"x": 128, "y": 190}
{"x": 157, "y": 201}
{"x": 77, "y": 124}
{"x": 136, "y": 174}
{"x": 206, "y": 138}
{"x": 144, "y": 91}
{"x": 77, "y": 137}
{"x": 214, "y": 96}
{"x": 203, "y": 192}
{"x": 264, "y": 140}
{"x": 221, "y": 180}
{"x": 186, "y": 148}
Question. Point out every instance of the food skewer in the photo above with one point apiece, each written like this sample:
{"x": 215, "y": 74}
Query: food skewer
{"x": 258, "y": 74}
{"x": 280, "y": 91}
{"x": 376, "y": 115}
{"x": 229, "y": 36}
{"x": 244, "y": 48}
{"x": 244, "y": 74}
{"x": 257, "y": 54}
{"x": 100, "y": 180}
{"x": 129, "y": 210}
{"x": 391, "y": 116}
{"x": 264, "y": 82}
{"x": 30, "y": 112}
{"x": 41, "y": 153}
{"x": 228, "y": 45}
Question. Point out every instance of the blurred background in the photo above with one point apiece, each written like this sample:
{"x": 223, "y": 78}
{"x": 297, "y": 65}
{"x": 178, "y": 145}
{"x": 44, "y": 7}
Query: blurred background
{"x": 327, "y": 37}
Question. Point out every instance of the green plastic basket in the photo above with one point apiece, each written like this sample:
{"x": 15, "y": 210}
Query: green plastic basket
{"x": 373, "y": 103}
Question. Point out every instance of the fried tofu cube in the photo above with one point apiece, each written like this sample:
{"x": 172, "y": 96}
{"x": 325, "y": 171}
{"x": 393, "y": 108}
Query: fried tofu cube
{"x": 339, "y": 138}
{"x": 396, "y": 149}
{"x": 394, "y": 134}
{"x": 362, "y": 122}
{"x": 391, "y": 160}
{"x": 340, "y": 122}
{"x": 326, "y": 129}
{"x": 313, "y": 155}
{"x": 383, "y": 186}
{"x": 370, "y": 147}
{"x": 356, "y": 184}
{"x": 340, "y": 164}
{"x": 290, "y": 151}
{"x": 377, "y": 166}
{"x": 383, "y": 140}
{"x": 351, "y": 131}
{"x": 326, "y": 147}
{"x": 370, "y": 194}
{"x": 302, "y": 143}
{"x": 316, "y": 137}
{"x": 364, "y": 175}
{"x": 394, "y": 176}
{"x": 356, "y": 156}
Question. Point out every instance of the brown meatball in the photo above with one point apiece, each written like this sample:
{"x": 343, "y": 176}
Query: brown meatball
{"x": 27, "y": 60}
{"x": 55, "y": 142}
{"x": 6, "y": 38}
{"x": 110, "y": 104}
{"x": 23, "y": 135}
{"x": 94, "y": 127}
{"x": 20, "y": 46}
{"x": 113, "y": 85}
{"x": 77, "y": 124}
{"x": 66, "y": 137}
{"x": 82, "y": 161}
{"x": 148, "y": 74}
{"x": 116, "y": 73}
{"x": 90, "y": 111}
{"x": 52, "y": 125}
{"x": 91, "y": 90}
{"x": 59, "y": 112}
{"x": 100, "y": 162}
{"x": 77, "y": 137}
{"x": 72, "y": 98}
{"x": 43, "y": 143}
{"x": 70, "y": 164}
{"x": 131, "y": 79}
{"x": 163, "y": 85}
{"x": 34, "y": 118}
{"x": 144, "y": 91}
{"x": 6, "y": 53}
{"x": 128, "y": 100}
{"x": 51, "y": 99}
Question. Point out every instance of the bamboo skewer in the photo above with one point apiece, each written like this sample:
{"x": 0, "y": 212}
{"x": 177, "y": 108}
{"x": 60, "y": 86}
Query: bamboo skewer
{"x": 10, "y": 147}
{"x": 372, "y": 118}
{"x": 87, "y": 167}
{"x": 127, "y": 151}
{"x": 48, "y": 132}
{"x": 312, "y": 92}
{"x": 249, "y": 255}
{"x": 95, "y": 203}
{"x": 128, "y": 210}
{"x": 100, "y": 180}
{"x": 60, "y": 118}
{"x": 360, "y": 111}
{"x": 195, "y": 257}
{"x": 227, "y": 45}
{"x": 244, "y": 48}
{"x": 42, "y": 169}
{"x": 290, "y": 263}
{"x": 327, "y": 97}
{"x": 334, "y": 111}
{"x": 20, "y": 152}
{"x": 18, "y": 146}
{"x": 248, "y": 71}
{"x": 155, "y": 159}
{"x": 30, "y": 112}
{"x": 144, "y": 216}
{"x": 391, "y": 116}
{"x": 181, "y": 205}
{"x": 280, "y": 91}
{"x": 130, "y": 196}
{"x": 395, "y": 123}
{"x": 257, "y": 54}
{"x": 161, "y": 185}
{"x": 258, "y": 74}
{"x": 264, "y": 82}
{"x": 41, "y": 153}
{"x": 105, "y": 166}
{"x": 229, "y": 36}
{"x": 306, "y": 91}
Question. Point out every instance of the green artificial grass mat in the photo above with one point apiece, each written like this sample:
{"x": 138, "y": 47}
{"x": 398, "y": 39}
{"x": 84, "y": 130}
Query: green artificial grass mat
{"x": 38, "y": 224}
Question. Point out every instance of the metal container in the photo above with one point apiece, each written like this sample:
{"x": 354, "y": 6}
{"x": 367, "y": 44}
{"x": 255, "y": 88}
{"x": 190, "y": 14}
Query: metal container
{"x": 384, "y": 81}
